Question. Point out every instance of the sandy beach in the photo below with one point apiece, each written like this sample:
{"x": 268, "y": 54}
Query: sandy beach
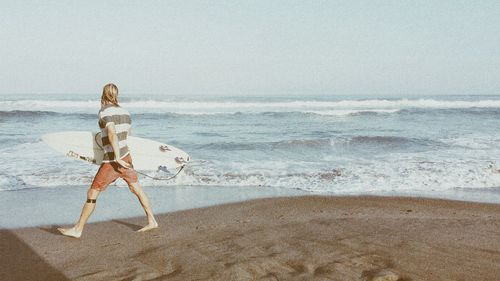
{"x": 295, "y": 238}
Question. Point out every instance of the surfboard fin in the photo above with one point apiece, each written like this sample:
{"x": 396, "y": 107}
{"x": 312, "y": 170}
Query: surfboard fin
{"x": 163, "y": 169}
{"x": 164, "y": 148}
{"x": 181, "y": 160}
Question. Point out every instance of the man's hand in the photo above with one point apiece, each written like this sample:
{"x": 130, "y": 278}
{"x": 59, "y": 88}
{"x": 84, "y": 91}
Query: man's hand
{"x": 123, "y": 164}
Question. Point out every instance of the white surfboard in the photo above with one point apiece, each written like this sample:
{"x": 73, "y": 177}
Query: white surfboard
{"x": 147, "y": 155}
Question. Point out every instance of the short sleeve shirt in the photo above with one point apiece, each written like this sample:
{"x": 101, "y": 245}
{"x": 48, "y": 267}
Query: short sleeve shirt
{"x": 123, "y": 122}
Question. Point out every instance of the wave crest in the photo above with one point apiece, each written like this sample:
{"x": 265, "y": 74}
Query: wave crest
{"x": 333, "y": 108}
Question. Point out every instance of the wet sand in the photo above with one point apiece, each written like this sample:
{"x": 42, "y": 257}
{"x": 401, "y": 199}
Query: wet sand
{"x": 296, "y": 238}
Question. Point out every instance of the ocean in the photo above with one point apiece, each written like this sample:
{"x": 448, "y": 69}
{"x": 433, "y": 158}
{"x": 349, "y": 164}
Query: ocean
{"x": 425, "y": 146}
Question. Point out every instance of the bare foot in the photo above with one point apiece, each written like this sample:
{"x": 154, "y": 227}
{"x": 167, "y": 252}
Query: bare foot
{"x": 151, "y": 225}
{"x": 71, "y": 232}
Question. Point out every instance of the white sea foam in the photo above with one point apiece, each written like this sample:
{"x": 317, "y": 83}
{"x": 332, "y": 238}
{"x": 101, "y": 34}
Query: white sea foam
{"x": 343, "y": 107}
{"x": 333, "y": 174}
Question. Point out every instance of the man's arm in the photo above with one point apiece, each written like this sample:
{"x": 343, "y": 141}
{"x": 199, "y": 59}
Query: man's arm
{"x": 113, "y": 139}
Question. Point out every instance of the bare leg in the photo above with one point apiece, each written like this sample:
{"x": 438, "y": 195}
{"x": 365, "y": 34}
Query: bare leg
{"x": 88, "y": 209}
{"x": 143, "y": 199}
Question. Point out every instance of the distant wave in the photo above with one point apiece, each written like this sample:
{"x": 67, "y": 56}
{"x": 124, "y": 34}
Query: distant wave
{"x": 393, "y": 140}
{"x": 293, "y": 145}
{"x": 480, "y": 111}
{"x": 341, "y": 108}
{"x": 301, "y": 145}
{"x": 27, "y": 113}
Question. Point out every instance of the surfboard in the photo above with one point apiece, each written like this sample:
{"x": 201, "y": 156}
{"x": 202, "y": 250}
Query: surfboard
{"x": 147, "y": 155}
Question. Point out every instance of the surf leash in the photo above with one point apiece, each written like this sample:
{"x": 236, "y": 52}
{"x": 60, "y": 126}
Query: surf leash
{"x": 160, "y": 179}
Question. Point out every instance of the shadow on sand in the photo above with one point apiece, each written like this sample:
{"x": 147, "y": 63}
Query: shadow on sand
{"x": 51, "y": 229}
{"x": 20, "y": 262}
{"x": 132, "y": 226}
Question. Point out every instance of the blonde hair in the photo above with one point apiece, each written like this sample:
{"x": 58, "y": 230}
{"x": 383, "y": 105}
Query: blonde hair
{"x": 110, "y": 94}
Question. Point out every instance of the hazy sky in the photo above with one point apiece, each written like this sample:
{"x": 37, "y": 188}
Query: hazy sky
{"x": 251, "y": 47}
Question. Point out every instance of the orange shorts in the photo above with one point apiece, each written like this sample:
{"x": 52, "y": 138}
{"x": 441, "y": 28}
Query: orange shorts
{"x": 109, "y": 172}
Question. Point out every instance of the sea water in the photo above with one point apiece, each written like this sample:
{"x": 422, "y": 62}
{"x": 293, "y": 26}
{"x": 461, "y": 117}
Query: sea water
{"x": 426, "y": 146}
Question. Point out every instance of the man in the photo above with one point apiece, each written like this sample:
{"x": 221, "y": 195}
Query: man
{"x": 115, "y": 124}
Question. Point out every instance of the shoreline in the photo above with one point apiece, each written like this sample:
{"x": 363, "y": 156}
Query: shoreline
{"x": 284, "y": 238}
{"x": 62, "y": 205}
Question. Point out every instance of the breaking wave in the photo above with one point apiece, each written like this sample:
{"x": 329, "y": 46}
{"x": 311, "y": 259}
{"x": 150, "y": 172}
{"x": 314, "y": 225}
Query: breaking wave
{"x": 332, "y": 108}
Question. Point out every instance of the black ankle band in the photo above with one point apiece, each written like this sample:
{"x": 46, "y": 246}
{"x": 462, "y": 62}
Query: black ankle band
{"x": 91, "y": 200}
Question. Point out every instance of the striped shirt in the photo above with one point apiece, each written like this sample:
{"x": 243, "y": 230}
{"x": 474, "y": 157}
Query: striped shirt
{"x": 122, "y": 121}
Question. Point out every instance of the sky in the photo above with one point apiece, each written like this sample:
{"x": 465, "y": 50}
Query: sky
{"x": 251, "y": 48}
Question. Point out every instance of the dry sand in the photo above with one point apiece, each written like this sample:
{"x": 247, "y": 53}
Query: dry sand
{"x": 298, "y": 238}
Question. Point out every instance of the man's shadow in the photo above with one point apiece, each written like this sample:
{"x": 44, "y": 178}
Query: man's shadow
{"x": 51, "y": 229}
{"x": 132, "y": 226}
